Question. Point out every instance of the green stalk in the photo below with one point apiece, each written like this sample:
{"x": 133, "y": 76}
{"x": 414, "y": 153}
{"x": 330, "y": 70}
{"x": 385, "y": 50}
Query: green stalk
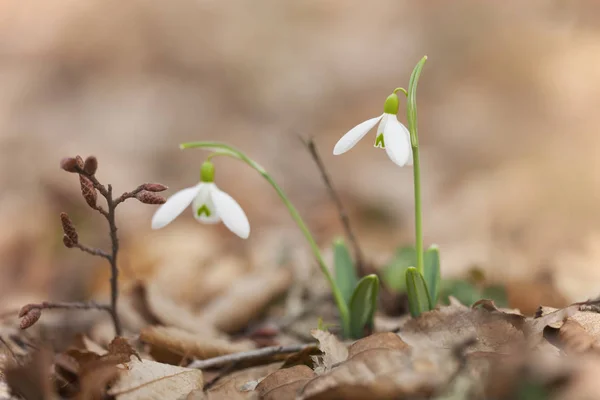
{"x": 223, "y": 149}
{"x": 418, "y": 213}
{"x": 411, "y": 115}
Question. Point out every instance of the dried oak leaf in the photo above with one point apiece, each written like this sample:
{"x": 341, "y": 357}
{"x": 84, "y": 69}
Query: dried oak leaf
{"x": 382, "y": 340}
{"x": 285, "y": 383}
{"x": 245, "y": 299}
{"x": 447, "y": 327}
{"x": 232, "y": 386}
{"x": 171, "y": 344}
{"x": 150, "y": 380}
{"x": 334, "y": 351}
{"x": 382, "y": 373}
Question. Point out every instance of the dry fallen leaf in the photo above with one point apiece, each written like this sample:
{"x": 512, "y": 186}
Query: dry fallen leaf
{"x": 383, "y": 340}
{"x": 246, "y": 298}
{"x": 449, "y": 326}
{"x": 333, "y": 350}
{"x": 232, "y": 386}
{"x": 285, "y": 383}
{"x": 171, "y": 344}
{"x": 150, "y": 380}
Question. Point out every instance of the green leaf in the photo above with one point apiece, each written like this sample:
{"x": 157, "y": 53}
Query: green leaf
{"x": 432, "y": 274}
{"x": 345, "y": 271}
{"x": 394, "y": 275}
{"x": 416, "y": 289}
{"x": 363, "y": 305}
{"x": 411, "y": 102}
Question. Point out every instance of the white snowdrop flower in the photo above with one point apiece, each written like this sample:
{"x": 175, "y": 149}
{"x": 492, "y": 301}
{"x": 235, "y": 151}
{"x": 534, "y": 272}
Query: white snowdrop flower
{"x": 209, "y": 204}
{"x": 391, "y": 134}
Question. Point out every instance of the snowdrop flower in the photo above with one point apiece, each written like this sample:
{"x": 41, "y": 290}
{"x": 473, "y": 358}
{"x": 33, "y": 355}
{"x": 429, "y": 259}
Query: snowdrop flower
{"x": 209, "y": 204}
{"x": 391, "y": 134}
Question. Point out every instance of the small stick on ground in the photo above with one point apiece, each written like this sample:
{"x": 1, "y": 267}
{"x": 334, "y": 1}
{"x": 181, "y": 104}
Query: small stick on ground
{"x": 249, "y": 355}
{"x": 358, "y": 254}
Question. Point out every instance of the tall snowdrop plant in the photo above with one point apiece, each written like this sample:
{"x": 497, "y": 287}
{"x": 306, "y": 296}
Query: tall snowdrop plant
{"x": 356, "y": 312}
{"x": 402, "y": 147}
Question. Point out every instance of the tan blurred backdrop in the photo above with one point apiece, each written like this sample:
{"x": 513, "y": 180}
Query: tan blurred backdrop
{"x": 508, "y": 114}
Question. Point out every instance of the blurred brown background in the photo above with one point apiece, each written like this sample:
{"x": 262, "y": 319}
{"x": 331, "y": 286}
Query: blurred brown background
{"x": 508, "y": 114}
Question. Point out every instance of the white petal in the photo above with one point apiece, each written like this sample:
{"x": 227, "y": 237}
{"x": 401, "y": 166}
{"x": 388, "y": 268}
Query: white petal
{"x": 204, "y": 207}
{"x": 350, "y": 139}
{"x": 174, "y": 206}
{"x": 380, "y": 129}
{"x": 397, "y": 141}
{"x": 230, "y": 212}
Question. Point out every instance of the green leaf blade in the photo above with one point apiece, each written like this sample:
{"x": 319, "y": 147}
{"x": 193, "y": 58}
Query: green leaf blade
{"x": 432, "y": 273}
{"x": 363, "y": 305}
{"x": 344, "y": 269}
{"x": 416, "y": 289}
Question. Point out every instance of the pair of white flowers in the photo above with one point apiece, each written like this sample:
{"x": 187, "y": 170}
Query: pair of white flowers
{"x": 211, "y": 205}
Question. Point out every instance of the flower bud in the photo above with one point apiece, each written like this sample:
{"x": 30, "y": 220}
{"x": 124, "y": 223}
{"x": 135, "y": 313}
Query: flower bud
{"x": 69, "y": 164}
{"x": 91, "y": 165}
{"x": 30, "y": 318}
{"x": 69, "y": 228}
{"x": 154, "y": 187}
{"x": 26, "y": 308}
{"x": 147, "y": 197}
{"x": 88, "y": 191}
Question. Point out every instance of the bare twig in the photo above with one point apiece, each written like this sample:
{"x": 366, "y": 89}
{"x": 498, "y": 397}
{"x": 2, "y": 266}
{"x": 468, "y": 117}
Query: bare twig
{"x": 358, "y": 254}
{"x": 249, "y": 355}
{"x": 92, "y": 251}
{"x": 84, "y": 305}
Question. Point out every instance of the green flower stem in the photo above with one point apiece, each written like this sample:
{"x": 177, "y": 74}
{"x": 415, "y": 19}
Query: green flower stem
{"x": 226, "y": 150}
{"x": 418, "y": 213}
{"x": 411, "y": 115}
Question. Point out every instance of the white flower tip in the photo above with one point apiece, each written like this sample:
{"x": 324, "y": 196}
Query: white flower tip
{"x": 231, "y": 213}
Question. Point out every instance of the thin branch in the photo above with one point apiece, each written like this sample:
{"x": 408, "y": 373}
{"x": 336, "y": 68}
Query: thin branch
{"x": 114, "y": 276}
{"x": 312, "y": 148}
{"x": 87, "y": 305}
{"x": 92, "y": 251}
{"x": 129, "y": 195}
{"x": 249, "y": 355}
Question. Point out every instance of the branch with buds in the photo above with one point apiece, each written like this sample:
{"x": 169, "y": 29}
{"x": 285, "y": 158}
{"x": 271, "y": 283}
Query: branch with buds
{"x": 90, "y": 187}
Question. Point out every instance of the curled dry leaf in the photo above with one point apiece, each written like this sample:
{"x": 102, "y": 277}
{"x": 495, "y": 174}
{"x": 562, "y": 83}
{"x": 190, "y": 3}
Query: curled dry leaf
{"x": 150, "y": 380}
{"x": 285, "y": 383}
{"x": 334, "y": 351}
{"x": 575, "y": 339}
{"x": 383, "y": 340}
{"x": 170, "y": 344}
{"x": 246, "y": 299}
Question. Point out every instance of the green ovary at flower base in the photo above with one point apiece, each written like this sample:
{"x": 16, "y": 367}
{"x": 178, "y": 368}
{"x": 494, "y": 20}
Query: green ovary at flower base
{"x": 222, "y": 149}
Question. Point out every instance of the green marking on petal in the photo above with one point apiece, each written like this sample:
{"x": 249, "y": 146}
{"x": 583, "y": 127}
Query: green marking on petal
{"x": 203, "y": 210}
{"x": 379, "y": 141}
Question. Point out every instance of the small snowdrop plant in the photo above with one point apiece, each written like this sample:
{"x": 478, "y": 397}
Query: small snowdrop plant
{"x": 210, "y": 205}
{"x": 402, "y": 147}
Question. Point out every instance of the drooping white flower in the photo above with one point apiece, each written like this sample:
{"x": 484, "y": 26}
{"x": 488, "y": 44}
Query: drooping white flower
{"x": 209, "y": 204}
{"x": 391, "y": 134}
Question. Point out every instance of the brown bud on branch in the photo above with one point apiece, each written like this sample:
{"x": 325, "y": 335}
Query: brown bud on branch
{"x": 26, "y": 308}
{"x": 91, "y": 165}
{"x": 79, "y": 160}
{"x": 69, "y": 228}
{"x": 30, "y": 318}
{"x": 154, "y": 187}
{"x": 69, "y": 164}
{"x": 68, "y": 242}
{"x": 147, "y": 197}
{"x": 88, "y": 191}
